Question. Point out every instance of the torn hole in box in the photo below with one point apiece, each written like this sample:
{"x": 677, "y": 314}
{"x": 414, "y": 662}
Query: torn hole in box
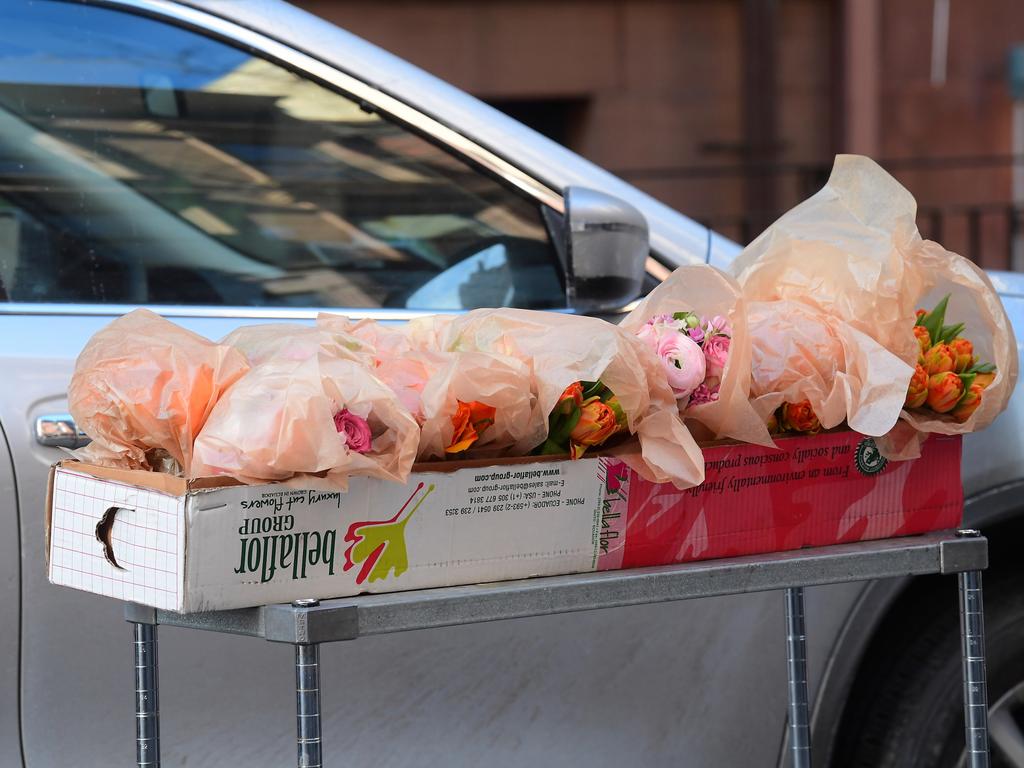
{"x": 105, "y": 534}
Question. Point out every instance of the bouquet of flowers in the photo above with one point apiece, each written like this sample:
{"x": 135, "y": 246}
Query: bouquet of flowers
{"x": 480, "y": 406}
{"x": 587, "y": 415}
{"x": 143, "y": 389}
{"x": 309, "y": 413}
{"x": 832, "y": 287}
{"x": 948, "y": 377}
{"x": 958, "y": 384}
{"x": 693, "y": 351}
{"x": 612, "y": 369}
{"x": 469, "y": 404}
{"x": 695, "y": 322}
{"x": 834, "y": 284}
{"x": 812, "y": 371}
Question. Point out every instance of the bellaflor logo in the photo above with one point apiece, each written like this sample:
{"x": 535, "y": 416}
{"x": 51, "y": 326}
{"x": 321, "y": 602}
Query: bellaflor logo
{"x": 281, "y": 548}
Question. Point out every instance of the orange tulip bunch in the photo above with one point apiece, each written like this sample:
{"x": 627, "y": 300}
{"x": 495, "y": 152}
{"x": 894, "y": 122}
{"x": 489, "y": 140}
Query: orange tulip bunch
{"x": 585, "y": 416}
{"x": 948, "y": 377}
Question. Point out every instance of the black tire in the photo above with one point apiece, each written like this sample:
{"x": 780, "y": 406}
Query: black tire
{"x": 908, "y": 712}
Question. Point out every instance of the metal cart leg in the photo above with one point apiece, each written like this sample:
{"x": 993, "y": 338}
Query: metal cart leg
{"x": 796, "y": 667}
{"x": 972, "y": 639}
{"x": 147, "y": 697}
{"x": 307, "y": 699}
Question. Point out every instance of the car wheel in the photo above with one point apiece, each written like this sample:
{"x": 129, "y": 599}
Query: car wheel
{"x": 911, "y": 713}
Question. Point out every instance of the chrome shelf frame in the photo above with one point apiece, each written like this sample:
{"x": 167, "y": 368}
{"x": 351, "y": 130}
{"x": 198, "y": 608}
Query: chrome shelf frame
{"x": 307, "y": 623}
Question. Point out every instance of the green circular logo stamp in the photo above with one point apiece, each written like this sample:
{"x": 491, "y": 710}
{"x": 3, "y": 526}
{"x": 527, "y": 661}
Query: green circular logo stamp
{"x": 868, "y": 459}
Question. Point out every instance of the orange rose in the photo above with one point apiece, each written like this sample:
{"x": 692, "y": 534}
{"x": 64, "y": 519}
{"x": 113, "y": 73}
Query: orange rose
{"x": 944, "y": 390}
{"x": 917, "y": 392}
{"x": 984, "y": 379}
{"x": 963, "y": 352}
{"x": 469, "y": 420}
{"x": 923, "y": 339}
{"x": 597, "y": 423}
{"x": 800, "y": 417}
{"x": 921, "y": 313}
{"x": 968, "y": 404}
{"x": 939, "y": 359}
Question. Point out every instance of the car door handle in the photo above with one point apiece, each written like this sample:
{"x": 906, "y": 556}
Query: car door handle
{"x": 58, "y": 430}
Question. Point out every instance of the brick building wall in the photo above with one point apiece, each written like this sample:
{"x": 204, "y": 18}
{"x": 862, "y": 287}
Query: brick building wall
{"x": 723, "y": 108}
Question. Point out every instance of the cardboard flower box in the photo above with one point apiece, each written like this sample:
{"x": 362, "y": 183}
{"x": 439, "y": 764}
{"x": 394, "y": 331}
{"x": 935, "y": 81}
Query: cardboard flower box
{"x": 214, "y": 544}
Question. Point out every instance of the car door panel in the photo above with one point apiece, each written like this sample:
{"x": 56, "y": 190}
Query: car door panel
{"x": 644, "y": 685}
{"x": 10, "y": 611}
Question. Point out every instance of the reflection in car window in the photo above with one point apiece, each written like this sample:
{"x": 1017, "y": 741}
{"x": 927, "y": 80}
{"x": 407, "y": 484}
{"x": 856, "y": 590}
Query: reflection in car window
{"x": 143, "y": 163}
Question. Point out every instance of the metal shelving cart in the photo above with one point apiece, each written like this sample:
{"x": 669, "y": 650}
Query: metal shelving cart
{"x": 308, "y": 623}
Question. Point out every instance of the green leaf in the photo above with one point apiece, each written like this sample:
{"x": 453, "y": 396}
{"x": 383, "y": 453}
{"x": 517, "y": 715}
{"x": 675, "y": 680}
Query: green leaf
{"x": 950, "y": 332}
{"x": 981, "y": 368}
{"x": 591, "y": 389}
{"x": 967, "y": 379}
{"x": 559, "y": 432}
{"x": 689, "y": 318}
{"x": 934, "y": 319}
{"x": 550, "y": 448}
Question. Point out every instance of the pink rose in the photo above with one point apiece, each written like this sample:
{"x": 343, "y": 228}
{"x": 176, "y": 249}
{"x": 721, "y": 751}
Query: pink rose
{"x": 716, "y": 350}
{"x": 354, "y": 429}
{"x": 683, "y": 361}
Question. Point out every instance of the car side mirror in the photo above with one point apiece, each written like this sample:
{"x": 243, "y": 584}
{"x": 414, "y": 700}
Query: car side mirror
{"x": 606, "y": 247}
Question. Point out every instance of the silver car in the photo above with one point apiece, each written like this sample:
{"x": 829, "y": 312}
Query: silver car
{"x": 225, "y": 162}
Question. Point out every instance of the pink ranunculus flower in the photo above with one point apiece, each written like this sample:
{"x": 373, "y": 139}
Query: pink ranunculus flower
{"x": 716, "y": 350}
{"x": 648, "y": 334}
{"x": 354, "y": 429}
{"x": 652, "y": 330}
{"x": 683, "y": 361}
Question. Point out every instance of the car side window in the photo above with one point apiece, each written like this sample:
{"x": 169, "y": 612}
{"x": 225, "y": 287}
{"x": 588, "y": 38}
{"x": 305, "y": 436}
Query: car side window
{"x": 142, "y": 163}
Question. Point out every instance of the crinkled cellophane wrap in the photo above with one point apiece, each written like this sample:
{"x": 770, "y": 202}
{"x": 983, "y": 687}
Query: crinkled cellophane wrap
{"x": 144, "y": 387}
{"x": 431, "y": 381}
{"x": 277, "y": 422}
{"x": 974, "y": 302}
{"x": 852, "y": 258}
{"x": 801, "y": 353}
{"x": 561, "y": 349}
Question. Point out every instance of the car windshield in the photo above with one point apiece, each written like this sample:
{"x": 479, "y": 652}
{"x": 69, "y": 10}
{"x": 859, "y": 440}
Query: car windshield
{"x": 144, "y": 163}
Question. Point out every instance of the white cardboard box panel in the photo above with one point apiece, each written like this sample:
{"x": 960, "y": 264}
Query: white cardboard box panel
{"x": 148, "y": 535}
{"x": 188, "y": 548}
